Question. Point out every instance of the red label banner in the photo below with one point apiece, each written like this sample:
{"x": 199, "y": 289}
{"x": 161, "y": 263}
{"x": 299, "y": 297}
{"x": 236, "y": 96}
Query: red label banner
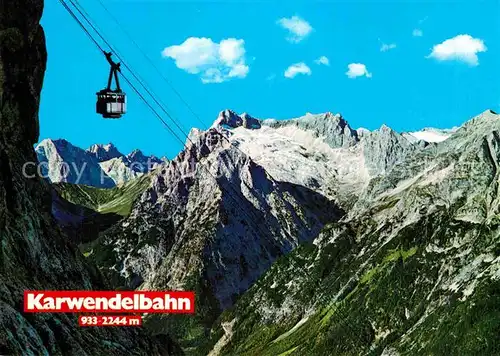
{"x": 176, "y": 302}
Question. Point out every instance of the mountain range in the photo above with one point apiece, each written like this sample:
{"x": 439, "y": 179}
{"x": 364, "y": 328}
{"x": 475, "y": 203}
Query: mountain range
{"x": 103, "y": 166}
{"x": 100, "y": 165}
{"x": 338, "y": 210}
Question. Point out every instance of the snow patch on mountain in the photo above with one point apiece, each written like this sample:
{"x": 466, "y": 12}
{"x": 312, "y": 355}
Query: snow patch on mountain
{"x": 104, "y": 152}
{"x": 429, "y": 134}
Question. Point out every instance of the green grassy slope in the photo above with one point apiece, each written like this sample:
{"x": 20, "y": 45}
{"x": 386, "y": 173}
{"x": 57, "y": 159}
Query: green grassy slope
{"x": 118, "y": 200}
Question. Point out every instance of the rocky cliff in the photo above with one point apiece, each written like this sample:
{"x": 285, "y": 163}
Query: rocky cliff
{"x": 34, "y": 253}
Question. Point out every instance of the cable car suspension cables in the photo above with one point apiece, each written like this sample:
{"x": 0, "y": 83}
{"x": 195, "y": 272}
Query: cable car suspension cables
{"x": 153, "y": 65}
{"x": 89, "y": 35}
{"x": 85, "y": 15}
{"x": 87, "y": 32}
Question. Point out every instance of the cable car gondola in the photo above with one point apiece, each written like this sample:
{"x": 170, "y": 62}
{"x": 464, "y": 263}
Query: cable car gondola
{"x": 111, "y": 104}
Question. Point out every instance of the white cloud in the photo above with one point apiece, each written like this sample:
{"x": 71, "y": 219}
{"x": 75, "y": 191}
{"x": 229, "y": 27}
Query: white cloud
{"x": 297, "y": 27}
{"x": 357, "y": 70}
{"x": 297, "y": 68}
{"x": 387, "y": 47}
{"x": 417, "y": 33}
{"x": 322, "y": 60}
{"x": 214, "y": 62}
{"x": 460, "y": 48}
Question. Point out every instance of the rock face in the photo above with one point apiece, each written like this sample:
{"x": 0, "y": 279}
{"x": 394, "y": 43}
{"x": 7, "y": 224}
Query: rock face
{"x": 101, "y": 166}
{"x": 412, "y": 269}
{"x": 104, "y": 152}
{"x": 384, "y": 148}
{"x": 333, "y": 128}
{"x": 229, "y": 119}
{"x": 34, "y": 252}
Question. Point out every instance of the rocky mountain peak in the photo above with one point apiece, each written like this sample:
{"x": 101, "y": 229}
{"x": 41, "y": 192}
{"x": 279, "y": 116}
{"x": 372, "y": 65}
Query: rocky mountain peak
{"x": 333, "y": 128}
{"x": 230, "y": 120}
{"x": 383, "y": 148}
{"x": 481, "y": 121}
{"x": 362, "y": 131}
{"x": 136, "y": 155}
{"x": 338, "y": 117}
{"x": 386, "y": 129}
{"x": 59, "y": 143}
{"x": 56, "y": 147}
{"x": 104, "y": 152}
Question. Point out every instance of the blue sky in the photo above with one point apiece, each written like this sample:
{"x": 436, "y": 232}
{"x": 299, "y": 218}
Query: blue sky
{"x": 406, "y": 64}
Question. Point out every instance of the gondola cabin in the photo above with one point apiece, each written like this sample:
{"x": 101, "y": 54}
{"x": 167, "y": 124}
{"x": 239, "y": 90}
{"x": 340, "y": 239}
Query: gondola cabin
{"x": 111, "y": 104}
